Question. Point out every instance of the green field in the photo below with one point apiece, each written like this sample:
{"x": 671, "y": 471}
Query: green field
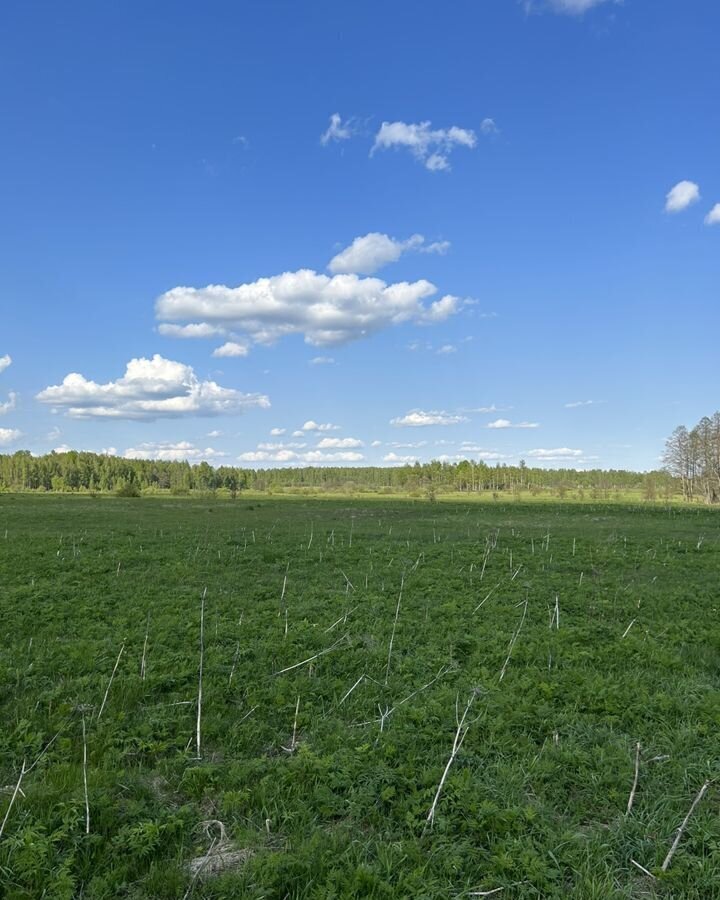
{"x": 601, "y": 619}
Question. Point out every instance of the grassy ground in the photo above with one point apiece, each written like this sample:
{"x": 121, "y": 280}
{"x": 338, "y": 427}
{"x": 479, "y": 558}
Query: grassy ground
{"x": 323, "y": 775}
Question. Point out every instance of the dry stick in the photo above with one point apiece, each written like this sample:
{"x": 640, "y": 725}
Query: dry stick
{"x": 642, "y": 868}
{"x": 392, "y": 636}
{"x": 12, "y": 799}
{"x": 311, "y": 658}
{"x": 144, "y": 653}
{"x": 487, "y": 596}
{"x": 293, "y": 743}
{"x": 347, "y": 694}
{"x": 683, "y": 826}
{"x": 512, "y": 642}
{"x": 625, "y": 633}
{"x": 107, "y": 691}
{"x": 460, "y": 735}
{"x": 85, "y": 784}
{"x": 200, "y": 671}
{"x": 631, "y": 798}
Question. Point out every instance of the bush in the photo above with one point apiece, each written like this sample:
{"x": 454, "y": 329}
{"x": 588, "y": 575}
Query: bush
{"x": 128, "y": 489}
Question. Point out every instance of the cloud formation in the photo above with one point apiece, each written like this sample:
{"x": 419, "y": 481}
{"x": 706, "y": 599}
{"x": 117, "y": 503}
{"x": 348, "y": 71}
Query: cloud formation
{"x": 170, "y": 452}
{"x": 312, "y": 425}
{"x": 418, "y": 418}
{"x": 9, "y": 436}
{"x": 713, "y": 217}
{"x": 337, "y": 130}
{"x": 372, "y": 251}
{"x": 430, "y": 146}
{"x": 577, "y": 403}
{"x": 575, "y": 7}
{"x": 557, "y": 453}
{"x": 684, "y": 194}
{"x": 506, "y": 423}
{"x": 5, "y": 361}
{"x": 231, "y": 348}
{"x": 339, "y": 443}
{"x": 9, "y": 404}
{"x": 149, "y": 389}
{"x": 309, "y": 457}
{"x": 325, "y": 310}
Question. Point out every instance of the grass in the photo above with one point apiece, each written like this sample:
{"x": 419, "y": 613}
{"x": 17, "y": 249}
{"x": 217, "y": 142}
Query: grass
{"x": 323, "y": 775}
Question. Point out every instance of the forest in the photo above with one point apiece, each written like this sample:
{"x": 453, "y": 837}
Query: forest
{"x": 75, "y": 471}
{"x": 693, "y": 457}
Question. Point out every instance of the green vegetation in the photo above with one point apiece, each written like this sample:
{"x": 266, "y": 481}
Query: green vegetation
{"x": 341, "y": 642}
{"x": 74, "y": 471}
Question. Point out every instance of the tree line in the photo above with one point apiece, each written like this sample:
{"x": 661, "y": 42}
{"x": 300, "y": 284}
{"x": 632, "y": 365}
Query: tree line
{"x": 693, "y": 457}
{"x": 96, "y": 473}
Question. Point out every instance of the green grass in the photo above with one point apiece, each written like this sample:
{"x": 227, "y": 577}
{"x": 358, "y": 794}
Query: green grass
{"x": 535, "y": 800}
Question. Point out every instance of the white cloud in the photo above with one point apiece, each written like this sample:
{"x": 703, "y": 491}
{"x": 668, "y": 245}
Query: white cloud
{"x": 430, "y": 146}
{"x": 9, "y": 404}
{"x": 311, "y": 425}
{"x": 713, "y": 217}
{"x": 231, "y": 349}
{"x": 310, "y": 457}
{"x": 54, "y": 434}
{"x": 394, "y": 458}
{"x": 418, "y": 418}
{"x": 371, "y": 252}
{"x": 279, "y": 445}
{"x": 276, "y": 432}
{"x": 577, "y": 403}
{"x": 488, "y": 126}
{"x": 196, "y": 330}
{"x": 215, "y": 434}
{"x": 407, "y": 445}
{"x": 9, "y": 435}
{"x": 446, "y": 349}
{"x": 170, "y": 452}
{"x": 337, "y": 130}
{"x": 339, "y": 443}
{"x": 575, "y": 7}
{"x": 681, "y": 196}
{"x": 556, "y": 453}
{"x": 438, "y": 247}
{"x": 149, "y": 389}
{"x": 506, "y": 423}
{"x": 62, "y": 448}
{"x": 322, "y": 361}
{"x": 325, "y": 310}
{"x": 376, "y": 444}
{"x": 5, "y": 361}
{"x": 109, "y": 451}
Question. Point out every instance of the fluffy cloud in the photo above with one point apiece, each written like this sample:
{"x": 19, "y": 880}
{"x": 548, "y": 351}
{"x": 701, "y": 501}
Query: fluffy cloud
{"x": 325, "y": 310}
{"x": 418, "y": 418}
{"x": 276, "y": 432}
{"x": 5, "y": 361}
{"x": 402, "y": 460}
{"x": 149, "y": 389}
{"x": 196, "y": 330}
{"x": 9, "y": 436}
{"x": 312, "y": 425}
{"x": 310, "y": 457}
{"x": 713, "y": 217}
{"x": 9, "y": 404}
{"x": 488, "y": 126}
{"x": 337, "y": 130}
{"x": 322, "y": 361}
{"x": 684, "y": 194}
{"x": 339, "y": 443}
{"x": 575, "y": 7}
{"x": 169, "y": 452}
{"x": 556, "y": 453}
{"x": 506, "y": 423}
{"x": 446, "y": 349}
{"x": 428, "y": 145}
{"x": 231, "y": 349}
{"x": 372, "y": 251}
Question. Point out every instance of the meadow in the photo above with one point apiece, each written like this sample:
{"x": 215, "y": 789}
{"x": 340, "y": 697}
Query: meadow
{"x": 332, "y": 698}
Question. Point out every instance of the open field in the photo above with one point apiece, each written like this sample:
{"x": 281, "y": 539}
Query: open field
{"x": 340, "y": 643}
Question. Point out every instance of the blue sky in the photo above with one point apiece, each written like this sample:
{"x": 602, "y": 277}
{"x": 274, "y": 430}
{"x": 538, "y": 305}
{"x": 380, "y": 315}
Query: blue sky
{"x": 486, "y": 230}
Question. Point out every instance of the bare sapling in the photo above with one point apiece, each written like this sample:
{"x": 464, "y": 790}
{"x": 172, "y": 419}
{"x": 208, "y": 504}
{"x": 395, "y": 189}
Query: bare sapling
{"x": 392, "y": 635}
{"x": 143, "y": 667}
{"x": 112, "y": 676}
{"x": 85, "y": 783}
{"x": 683, "y": 826}
{"x": 460, "y": 735}
{"x": 513, "y": 640}
{"x": 12, "y": 798}
{"x": 200, "y": 673}
{"x": 631, "y": 798}
{"x": 293, "y": 741}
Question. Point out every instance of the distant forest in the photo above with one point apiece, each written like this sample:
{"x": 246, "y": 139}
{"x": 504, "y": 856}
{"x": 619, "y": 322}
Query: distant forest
{"x": 95, "y": 473}
{"x": 693, "y": 457}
